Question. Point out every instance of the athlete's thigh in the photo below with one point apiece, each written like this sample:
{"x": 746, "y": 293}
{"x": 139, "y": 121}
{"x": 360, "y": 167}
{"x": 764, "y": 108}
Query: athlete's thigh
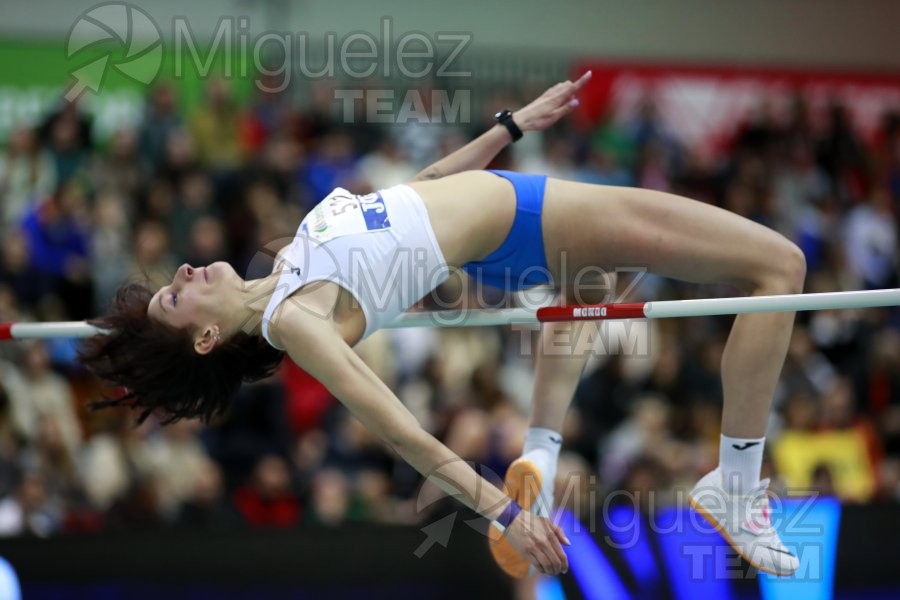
{"x": 603, "y": 226}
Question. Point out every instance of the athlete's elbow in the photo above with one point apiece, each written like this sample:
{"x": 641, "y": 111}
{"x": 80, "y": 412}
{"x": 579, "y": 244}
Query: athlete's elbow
{"x": 428, "y": 174}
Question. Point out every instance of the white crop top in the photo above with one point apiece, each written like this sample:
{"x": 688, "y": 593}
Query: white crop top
{"x": 379, "y": 247}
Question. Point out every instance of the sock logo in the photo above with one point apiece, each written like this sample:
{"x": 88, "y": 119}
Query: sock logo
{"x": 555, "y": 439}
{"x": 744, "y": 446}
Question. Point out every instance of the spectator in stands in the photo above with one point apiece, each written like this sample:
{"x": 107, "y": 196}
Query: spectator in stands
{"x": 207, "y": 506}
{"x": 17, "y": 273}
{"x": 57, "y": 233}
{"x": 268, "y": 499}
{"x": 161, "y": 120}
{"x": 67, "y": 134}
{"x": 152, "y": 257}
{"x": 329, "y": 498}
{"x": 215, "y": 128}
{"x": 193, "y": 201}
{"x": 27, "y": 512}
{"x": 45, "y": 395}
{"x": 176, "y": 460}
{"x": 110, "y": 245}
{"x": 55, "y": 460}
{"x": 114, "y": 461}
{"x": 871, "y": 241}
{"x": 27, "y": 175}
{"x": 332, "y": 164}
{"x": 122, "y": 171}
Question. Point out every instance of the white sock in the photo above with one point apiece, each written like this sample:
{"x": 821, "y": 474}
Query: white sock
{"x": 542, "y": 448}
{"x": 740, "y": 460}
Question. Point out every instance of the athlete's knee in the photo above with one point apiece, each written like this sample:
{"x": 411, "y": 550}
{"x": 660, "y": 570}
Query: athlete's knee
{"x": 786, "y": 269}
{"x": 793, "y": 267}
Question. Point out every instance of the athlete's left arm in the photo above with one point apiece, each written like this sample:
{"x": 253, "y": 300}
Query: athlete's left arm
{"x": 543, "y": 112}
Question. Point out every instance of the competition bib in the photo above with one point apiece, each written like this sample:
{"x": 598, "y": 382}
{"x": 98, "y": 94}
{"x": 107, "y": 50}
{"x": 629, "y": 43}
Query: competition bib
{"x": 342, "y": 213}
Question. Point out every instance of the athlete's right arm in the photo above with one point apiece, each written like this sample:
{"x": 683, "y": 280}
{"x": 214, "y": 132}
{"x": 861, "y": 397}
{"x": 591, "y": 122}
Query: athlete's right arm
{"x": 314, "y": 344}
{"x": 540, "y": 114}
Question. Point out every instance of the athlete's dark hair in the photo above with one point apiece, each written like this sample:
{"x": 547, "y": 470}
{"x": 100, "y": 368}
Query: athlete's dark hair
{"x": 159, "y": 369}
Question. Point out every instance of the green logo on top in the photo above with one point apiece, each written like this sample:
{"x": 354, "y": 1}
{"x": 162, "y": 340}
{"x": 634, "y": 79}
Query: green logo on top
{"x": 123, "y": 37}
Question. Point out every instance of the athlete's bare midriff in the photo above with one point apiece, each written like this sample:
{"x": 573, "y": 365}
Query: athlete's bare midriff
{"x": 471, "y": 213}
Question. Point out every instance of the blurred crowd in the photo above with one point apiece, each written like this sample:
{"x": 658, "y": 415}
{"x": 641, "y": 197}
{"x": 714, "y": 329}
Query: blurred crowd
{"x": 78, "y": 216}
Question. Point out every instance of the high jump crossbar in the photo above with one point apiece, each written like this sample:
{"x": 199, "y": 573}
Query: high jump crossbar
{"x": 522, "y": 316}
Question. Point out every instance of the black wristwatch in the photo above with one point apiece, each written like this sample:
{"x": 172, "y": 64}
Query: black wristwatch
{"x": 505, "y": 118}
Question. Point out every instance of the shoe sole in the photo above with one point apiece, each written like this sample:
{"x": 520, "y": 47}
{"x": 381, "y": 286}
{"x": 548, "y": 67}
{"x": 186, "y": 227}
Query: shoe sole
{"x": 712, "y": 521}
{"x": 523, "y": 484}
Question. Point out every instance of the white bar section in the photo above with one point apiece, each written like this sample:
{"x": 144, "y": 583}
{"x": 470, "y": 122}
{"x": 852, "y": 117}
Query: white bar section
{"x": 444, "y": 318}
{"x": 49, "y": 331}
{"x": 789, "y": 302}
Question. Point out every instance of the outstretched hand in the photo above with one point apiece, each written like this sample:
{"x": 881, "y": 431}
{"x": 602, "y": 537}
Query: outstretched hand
{"x": 547, "y": 109}
{"x": 540, "y": 541}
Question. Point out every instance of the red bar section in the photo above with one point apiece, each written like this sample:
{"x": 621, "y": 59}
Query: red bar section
{"x": 6, "y": 331}
{"x": 594, "y": 312}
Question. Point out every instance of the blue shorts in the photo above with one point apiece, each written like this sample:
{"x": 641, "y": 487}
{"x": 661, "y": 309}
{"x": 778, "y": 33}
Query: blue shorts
{"x": 519, "y": 262}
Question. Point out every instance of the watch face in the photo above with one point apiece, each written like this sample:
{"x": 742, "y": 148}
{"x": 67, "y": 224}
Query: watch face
{"x": 499, "y": 115}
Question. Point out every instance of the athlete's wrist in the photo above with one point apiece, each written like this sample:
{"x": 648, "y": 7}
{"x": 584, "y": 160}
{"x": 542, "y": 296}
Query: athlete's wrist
{"x": 520, "y": 117}
{"x": 506, "y": 120}
{"x": 509, "y": 514}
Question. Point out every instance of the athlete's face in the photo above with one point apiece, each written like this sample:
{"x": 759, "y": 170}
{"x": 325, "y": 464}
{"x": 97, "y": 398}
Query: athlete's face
{"x": 194, "y": 299}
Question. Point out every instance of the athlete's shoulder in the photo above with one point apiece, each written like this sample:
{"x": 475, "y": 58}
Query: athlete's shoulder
{"x": 311, "y": 308}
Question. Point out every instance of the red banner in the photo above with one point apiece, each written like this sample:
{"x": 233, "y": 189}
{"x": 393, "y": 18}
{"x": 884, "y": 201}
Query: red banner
{"x": 704, "y": 105}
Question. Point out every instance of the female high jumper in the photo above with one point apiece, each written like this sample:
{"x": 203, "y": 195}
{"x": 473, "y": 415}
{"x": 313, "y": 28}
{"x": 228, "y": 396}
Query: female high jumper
{"x": 357, "y": 262}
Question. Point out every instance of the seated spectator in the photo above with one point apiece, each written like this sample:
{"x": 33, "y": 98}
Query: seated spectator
{"x": 56, "y": 231}
{"x": 333, "y": 164}
{"x": 153, "y": 259}
{"x": 66, "y": 133}
{"x": 123, "y": 172}
{"x": 48, "y": 395}
{"x": 110, "y": 247}
{"x": 27, "y": 512}
{"x": 50, "y": 456}
{"x": 27, "y": 175}
{"x": 114, "y": 460}
{"x": 207, "y": 242}
{"x": 176, "y": 459}
{"x": 161, "y": 119}
{"x": 193, "y": 201}
{"x": 215, "y": 128}
{"x": 268, "y": 499}
{"x": 329, "y": 499}
{"x": 870, "y": 231}
{"x": 206, "y": 505}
